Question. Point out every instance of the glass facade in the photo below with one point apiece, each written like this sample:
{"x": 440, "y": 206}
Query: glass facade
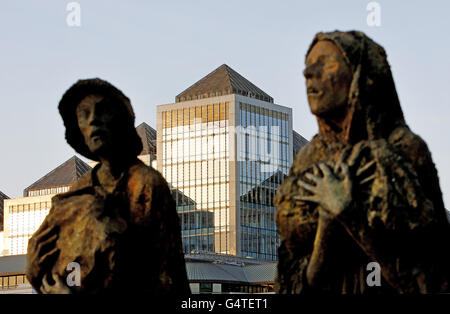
{"x": 195, "y": 162}
{"x": 23, "y": 220}
{"x": 207, "y": 151}
{"x": 47, "y": 191}
{"x": 263, "y": 162}
{"x": 12, "y": 281}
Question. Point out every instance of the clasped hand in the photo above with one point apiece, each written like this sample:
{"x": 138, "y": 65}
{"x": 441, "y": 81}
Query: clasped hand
{"x": 332, "y": 191}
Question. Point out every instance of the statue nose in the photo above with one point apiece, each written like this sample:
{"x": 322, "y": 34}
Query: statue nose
{"x": 94, "y": 119}
{"x": 311, "y": 71}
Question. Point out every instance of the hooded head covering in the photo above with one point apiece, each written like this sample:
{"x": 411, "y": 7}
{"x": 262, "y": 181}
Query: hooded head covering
{"x": 68, "y": 105}
{"x": 374, "y": 107}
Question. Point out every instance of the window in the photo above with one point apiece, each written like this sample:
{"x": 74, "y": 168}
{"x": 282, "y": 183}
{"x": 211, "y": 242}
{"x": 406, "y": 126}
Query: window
{"x": 205, "y": 287}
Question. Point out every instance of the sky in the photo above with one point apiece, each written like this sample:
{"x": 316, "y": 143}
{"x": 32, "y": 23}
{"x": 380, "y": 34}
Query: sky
{"x": 153, "y": 50}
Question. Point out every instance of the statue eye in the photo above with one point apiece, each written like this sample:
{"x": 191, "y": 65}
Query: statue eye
{"x": 331, "y": 65}
{"x": 83, "y": 113}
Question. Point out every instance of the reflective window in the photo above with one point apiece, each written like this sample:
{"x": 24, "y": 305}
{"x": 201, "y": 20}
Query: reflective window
{"x": 263, "y": 165}
{"x": 196, "y": 165}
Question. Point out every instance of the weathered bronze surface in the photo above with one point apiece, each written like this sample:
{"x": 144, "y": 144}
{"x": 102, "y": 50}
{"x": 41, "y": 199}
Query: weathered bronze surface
{"x": 119, "y": 221}
{"x": 365, "y": 189}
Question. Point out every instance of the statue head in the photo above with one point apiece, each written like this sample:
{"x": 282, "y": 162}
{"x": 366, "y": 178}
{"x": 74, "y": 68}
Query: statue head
{"x": 348, "y": 79}
{"x": 99, "y": 121}
{"x": 328, "y": 78}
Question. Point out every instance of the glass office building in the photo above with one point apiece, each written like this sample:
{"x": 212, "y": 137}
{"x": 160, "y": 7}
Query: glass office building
{"x": 264, "y": 160}
{"x": 195, "y": 157}
{"x": 224, "y": 147}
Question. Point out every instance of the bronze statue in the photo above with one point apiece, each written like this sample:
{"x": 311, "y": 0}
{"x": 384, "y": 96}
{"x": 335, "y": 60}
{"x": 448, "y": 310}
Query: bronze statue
{"x": 118, "y": 222}
{"x": 365, "y": 189}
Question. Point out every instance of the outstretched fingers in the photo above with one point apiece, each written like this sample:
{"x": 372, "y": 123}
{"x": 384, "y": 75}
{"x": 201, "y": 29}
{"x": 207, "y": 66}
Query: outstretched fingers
{"x": 306, "y": 186}
{"x": 368, "y": 179}
{"x": 53, "y": 252}
{"x": 325, "y": 169}
{"x": 312, "y": 177}
{"x": 345, "y": 170}
{"x": 43, "y": 244}
{"x": 45, "y": 287}
{"x": 309, "y": 198}
{"x": 364, "y": 168}
{"x": 46, "y": 232}
{"x": 337, "y": 166}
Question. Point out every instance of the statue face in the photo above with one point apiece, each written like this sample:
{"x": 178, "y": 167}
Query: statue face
{"x": 328, "y": 78}
{"x": 97, "y": 120}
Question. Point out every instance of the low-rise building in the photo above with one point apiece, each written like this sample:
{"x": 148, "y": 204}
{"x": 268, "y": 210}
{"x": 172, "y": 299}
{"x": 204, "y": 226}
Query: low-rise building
{"x": 207, "y": 273}
{"x": 24, "y": 215}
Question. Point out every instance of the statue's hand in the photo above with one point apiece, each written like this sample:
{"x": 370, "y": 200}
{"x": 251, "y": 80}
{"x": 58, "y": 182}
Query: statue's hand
{"x": 333, "y": 190}
{"x": 59, "y": 287}
{"x": 42, "y": 247}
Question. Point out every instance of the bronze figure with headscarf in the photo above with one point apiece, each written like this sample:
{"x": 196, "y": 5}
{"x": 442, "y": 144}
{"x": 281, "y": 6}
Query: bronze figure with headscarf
{"x": 365, "y": 189}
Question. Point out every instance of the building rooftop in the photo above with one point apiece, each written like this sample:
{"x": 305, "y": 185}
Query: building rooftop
{"x": 148, "y": 137}
{"x": 65, "y": 174}
{"x": 204, "y": 271}
{"x": 223, "y": 81}
{"x": 12, "y": 264}
{"x": 198, "y": 269}
{"x": 298, "y": 142}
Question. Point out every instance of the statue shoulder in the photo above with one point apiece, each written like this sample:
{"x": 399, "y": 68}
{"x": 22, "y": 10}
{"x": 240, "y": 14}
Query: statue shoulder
{"x": 83, "y": 182}
{"x": 147, "y": 175}
{"x": 75, "y": 190}
{"x": 306, "y": 155}
{"x": 146, "y": 186}
{"x": 411, "y": 145}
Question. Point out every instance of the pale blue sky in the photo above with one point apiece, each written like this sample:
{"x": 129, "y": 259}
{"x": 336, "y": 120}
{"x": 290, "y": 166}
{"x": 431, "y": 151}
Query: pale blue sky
{"x": 154, "y": 50}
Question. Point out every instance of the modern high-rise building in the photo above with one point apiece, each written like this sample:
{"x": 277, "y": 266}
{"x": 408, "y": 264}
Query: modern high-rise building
{"x": 224, "y": 147}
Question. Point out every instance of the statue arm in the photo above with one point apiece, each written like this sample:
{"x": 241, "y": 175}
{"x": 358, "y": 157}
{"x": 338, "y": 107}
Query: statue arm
{"x": 296, "y": 220}
{"x": 41, "y": 257}
{"x": 316, "y": 271}
{"x": 305, "y": 239}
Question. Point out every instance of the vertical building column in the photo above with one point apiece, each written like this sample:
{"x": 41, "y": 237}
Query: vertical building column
{"x": 291, "y": 139}
{"x": 235, "y": 213}
{"x": 6, "y": 231}
{"x": 159, "y": 144}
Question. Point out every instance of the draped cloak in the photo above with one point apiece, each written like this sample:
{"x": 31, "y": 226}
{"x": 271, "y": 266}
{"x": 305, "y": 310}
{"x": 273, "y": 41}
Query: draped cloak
{"x": 125, "y": 239}
{"x": 396, "y": 217}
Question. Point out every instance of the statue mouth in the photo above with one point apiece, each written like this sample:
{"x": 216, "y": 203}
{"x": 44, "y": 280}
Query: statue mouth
{"x": 97, "y": 133}
{"x": 314, "y": 91}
